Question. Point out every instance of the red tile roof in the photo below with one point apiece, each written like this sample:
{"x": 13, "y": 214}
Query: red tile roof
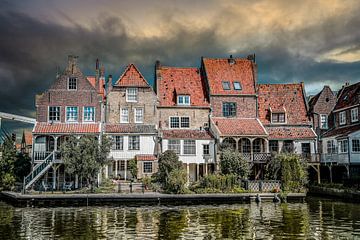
{"x": 130, "y": 128}
{"x": 42, "y": 127}
{"x": 282, "y": 96}
{"x": 92, "y": 81}
{"x": 219, "y": 70}
{"x": 131, "y": 78}
{"x": 342, "y": 131}
{"x": 290, "y": 133}
{"x": 187, "y": 134}
{"x": 145, "y": 157}
{"x": 181, "y": 81}
{"x": 239, "y": 126}
{"x": 349, "y": 96}
{"x": 28, "y": 138}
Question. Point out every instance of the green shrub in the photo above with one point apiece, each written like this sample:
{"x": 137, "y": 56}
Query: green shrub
{"x": 231, "y": 162}
{"x": 176, "y": 182}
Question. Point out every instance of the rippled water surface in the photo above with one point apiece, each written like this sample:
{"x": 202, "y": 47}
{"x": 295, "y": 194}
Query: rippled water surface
{"x": 315, "y": 219}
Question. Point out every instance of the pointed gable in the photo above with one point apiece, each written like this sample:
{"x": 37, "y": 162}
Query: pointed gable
{"x": 132, "y": 78}
{"x": 235, "y": 71}
{"x": 349, "y": 96}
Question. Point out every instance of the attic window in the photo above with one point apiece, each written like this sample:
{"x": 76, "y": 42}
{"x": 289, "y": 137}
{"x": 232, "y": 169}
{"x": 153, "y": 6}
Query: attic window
{"x": 72, "y": 83}
{"x": 237, "y": 86}
{"x": 183, "y": 100}
{"x": 278, "y": 117}
{"x": 226, "y": 85}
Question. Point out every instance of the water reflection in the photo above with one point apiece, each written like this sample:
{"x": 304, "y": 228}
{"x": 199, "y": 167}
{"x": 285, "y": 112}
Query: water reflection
{"x": 316, "y": 219}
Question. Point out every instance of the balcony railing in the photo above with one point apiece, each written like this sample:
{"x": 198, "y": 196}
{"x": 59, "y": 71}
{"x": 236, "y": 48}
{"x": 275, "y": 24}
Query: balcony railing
{"x": 257, "y": 157}
{"x": 311, "y": 157}
{"x": 42, "y": 155}
{"x": 335, "y": 158}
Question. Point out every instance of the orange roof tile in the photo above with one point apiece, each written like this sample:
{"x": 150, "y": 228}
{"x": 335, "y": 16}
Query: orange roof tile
{"x": 131, "y": 78}
{"x": 342, "y": 131}
{"x": 280, "y": 97}
{"x": 145, "y": 157}
{"x": 290, "y": 133}
{"x": 239, "y": 126}
{"x": 219, "y": 70}
{"x": 187, "y": 134}
{"x": 28, "y": 137}
{"x": 92, "y": 81}
{"x": 42, "y": 127}
{"x": 181, "y": 81}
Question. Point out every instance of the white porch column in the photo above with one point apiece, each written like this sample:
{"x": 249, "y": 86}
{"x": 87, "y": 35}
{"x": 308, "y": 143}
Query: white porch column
{"x": 125, "y": 172}
{"x": 251, "y": 149}
{"x": 197, "y": 171}
{"x": 188, "y": 172}
{"x": 54, "y": 177}
{"x": 55, "y": 143}
{"x": 280, "y": 145}
{"x": 76, "y": 181}
{"x": 266, "y": 145}
{"x": 116, "y": 168}
{"x": 106, "y": 171}
{"x": 206, "y": 169}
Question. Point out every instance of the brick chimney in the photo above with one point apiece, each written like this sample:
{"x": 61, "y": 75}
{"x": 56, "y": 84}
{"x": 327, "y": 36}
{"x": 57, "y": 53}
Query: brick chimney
{"x": 72, "y": 62}
{"x": 157, "y": 75}
{"x": 109, "y": 84}
{"x": 231, "y": 60}
{"x": 101, "y": 79}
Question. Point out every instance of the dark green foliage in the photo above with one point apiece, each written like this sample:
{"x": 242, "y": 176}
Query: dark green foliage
{"x": 231, "y": 162}
{"x": 7, "y": 161}
{"x": 132, "y": 166}
{"x": 22, "y": 166}
{"x": 215, "y": 183}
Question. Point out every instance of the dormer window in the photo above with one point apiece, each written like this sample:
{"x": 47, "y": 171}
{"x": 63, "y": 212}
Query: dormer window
{"x": 226, "y": 85}
{"x": 131, "y": 94}
{"x": 72, "y": 83}
{"x": 342, "y": 118}
{"x": 237, "y": 86}
{"x": 278, "y": 117}
{"x": 183, "y": 100}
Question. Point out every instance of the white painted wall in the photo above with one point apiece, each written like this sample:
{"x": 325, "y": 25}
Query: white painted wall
{"x": 354, "y": 156}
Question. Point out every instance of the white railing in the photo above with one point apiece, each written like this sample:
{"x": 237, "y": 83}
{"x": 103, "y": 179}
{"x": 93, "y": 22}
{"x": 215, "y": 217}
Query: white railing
{"x": 336, "y": 158}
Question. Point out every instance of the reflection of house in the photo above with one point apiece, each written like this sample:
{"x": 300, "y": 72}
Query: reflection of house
{"x": 231, "y": 84}
{"x": 26, "y": 143}
{"x": 71, "y": 106}
{"x": 341, "y": 143}
{"x": 184, "y": 118}
{"x": 131, "y": 121}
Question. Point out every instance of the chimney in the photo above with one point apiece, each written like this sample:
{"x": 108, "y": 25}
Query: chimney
{"x": 97, "y": 64}
{"x": 251, "y": 57}
{"x": 109, "y": 84}
{"x": 231, "y": 60}
{"x": 72, "y": 62}
{"x": 157, "y": 75}
{"x": 347, "y": 83}
{"x": 101, "y": 81}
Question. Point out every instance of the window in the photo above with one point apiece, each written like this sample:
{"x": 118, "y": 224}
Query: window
{"x": 131, "y": 94}
{"x": 179, "y": 122}
{"x": 226, "y": 85}
{"x": 147, "y": 167}
{"x": 54, "y": 114}
{"x": 257, "y": 145}
{"x": 343, "y": 146}
{"x": 354, "y": 115}
{"x": 278, "y": 117}
{"x": 288, "y": 146}
{"x": 139, "y": 115}
{"x": 206, "y": 149}
{"x": 342, "y": 118}
{"x": 71, "y": 114}
{"x": 124, "y": 118}
{"x": 305, "y": 148}
{"x": 72, "y": 84}
{"x": 174, "y": 145}
{"x": 183, "y": 100}
{"x": 237, "y": 86}
{"x": 118, "y": 143}
{"x": 229, "y": 109}
{"x": 273, "y": 146}
{"x": 89, "y": 114}
{"x": 331, "y": 147}
{"x": 134, "y": 142}
{"x": 356, "y": 145}
{"x": 189, "y": 147}
{"x": 323, "y": 121}
{"x": 122, "y": 165}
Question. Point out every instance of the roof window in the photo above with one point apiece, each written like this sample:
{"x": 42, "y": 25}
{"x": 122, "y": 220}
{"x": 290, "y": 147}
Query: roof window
{"x": 237, "y": 86}
{"x": 226, "y": 85}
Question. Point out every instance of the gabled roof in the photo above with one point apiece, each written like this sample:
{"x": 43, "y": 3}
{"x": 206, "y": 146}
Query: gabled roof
{"x": 131, "y": 78}
{"x": 181, "y": 81}
{"x": 290, "y": 133}
{"x": 349, "y": 96}
{"x": 27, "y": 138}
{"x": 342, "y": 131}
{"x": 230, "y": 70}
{"x": 187, "y": 134}
{"x": 314, "y": 99}
{"x": 282, "y": 96}
{"x": 238, "y": 126}
{"x": 92, "y": 81}
{"x": 42, "y": 127}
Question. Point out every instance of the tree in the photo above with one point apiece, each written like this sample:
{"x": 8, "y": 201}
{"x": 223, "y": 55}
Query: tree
{"x": 85, "y": 156}
{"x": 132, "y": 165}
{"x": 231, "y": 162}
{"x": 291, "y": 169}
{"x": 22, "y": 166}
{"x": 7, "y": 161}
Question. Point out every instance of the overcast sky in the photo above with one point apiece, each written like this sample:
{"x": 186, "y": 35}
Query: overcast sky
{"x": 317, "y": 42}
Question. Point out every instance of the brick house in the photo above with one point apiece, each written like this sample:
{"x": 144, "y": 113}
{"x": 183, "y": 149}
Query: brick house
{"x": 231, "y": 84}
{"x": 341, "y": 143}
{"x": 183, "y": 109}
{"x": 131, "y": 118}
{"x": 73, "y": 105}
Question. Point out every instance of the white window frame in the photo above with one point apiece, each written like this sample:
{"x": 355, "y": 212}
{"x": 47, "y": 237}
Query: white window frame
{"x": 352, "y": 145}
{"x": 142, "y": 115}
{"x": 330, "y": 145}
{"x": 77, "y": 114}
{"x": 122, "y": 115}
{"x": 152, "y": 167}
{"x": 130, "y": 143}
{"x": 188, "y": 145}
{"x": 278, "y": 114}
{"x": 321, "y": 121}
{"x": 180, "y": 122}
{"x": 342, "y": 118}
{"x": 49, "y": 114}
{"x": 128, "y": 94}
{"x": 177, "y": 145}
{"x": 343, "y": 146}
{"x": 121, "y": 143}
{"x": 354, "y": 114}
{"x": 93, "y": 120}
{"x": 185, "y": 100}
{"x": 68, "y": 84}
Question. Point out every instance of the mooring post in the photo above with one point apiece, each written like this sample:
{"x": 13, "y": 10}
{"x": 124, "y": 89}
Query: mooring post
{"x": 131, "y": 186}
{"x": 119, "y": 187}
{"x": 143, "y": 188}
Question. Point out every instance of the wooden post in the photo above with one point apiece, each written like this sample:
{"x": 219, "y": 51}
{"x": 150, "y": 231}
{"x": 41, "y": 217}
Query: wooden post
{"x": 318, "y": 174}
{"x": 116, "y": 168}
{"x": 197, "y": 171}
{"x": 125, "y": 172}
{"x": 188, "y": 172}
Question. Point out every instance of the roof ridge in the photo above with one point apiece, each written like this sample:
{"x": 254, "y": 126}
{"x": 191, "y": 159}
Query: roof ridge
{"x": 127, "y": 69}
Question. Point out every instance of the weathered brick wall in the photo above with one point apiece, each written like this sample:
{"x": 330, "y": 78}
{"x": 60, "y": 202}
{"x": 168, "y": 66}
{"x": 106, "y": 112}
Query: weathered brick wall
{"x": 59, "y": 95}
{"x": 324, "y": 105}
{"x": 116, "y": 100}
{"x": 245, "y": 105}
{"x": 198, "y": 116}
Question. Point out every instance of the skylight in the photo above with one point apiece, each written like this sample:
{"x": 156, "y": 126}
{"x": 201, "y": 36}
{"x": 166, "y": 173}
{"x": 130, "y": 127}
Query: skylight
{"x": 237, "y": 86}
{"x": 226, "y": 85}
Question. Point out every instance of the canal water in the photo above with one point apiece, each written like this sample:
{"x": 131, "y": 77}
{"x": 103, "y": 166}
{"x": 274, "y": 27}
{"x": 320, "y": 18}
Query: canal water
{"x": 315, "y": 219}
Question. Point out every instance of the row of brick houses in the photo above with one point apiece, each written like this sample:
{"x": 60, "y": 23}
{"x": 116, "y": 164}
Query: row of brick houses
{"x": 192, "y": 111}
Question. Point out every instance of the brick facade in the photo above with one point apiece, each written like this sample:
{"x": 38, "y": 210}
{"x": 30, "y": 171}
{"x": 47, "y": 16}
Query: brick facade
{"x": 245, "y": 105}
